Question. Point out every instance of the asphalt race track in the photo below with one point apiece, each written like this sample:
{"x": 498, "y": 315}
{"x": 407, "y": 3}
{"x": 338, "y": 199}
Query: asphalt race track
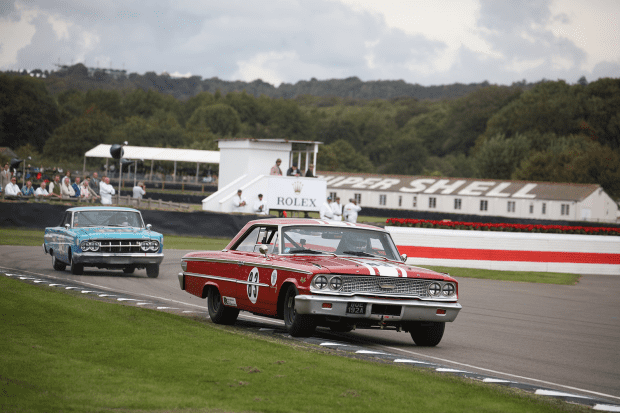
{"x": 564, "y": 338}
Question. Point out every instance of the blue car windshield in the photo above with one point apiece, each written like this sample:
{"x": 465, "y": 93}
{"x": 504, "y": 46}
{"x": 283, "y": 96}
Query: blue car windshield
{"x": 107, "y": 218}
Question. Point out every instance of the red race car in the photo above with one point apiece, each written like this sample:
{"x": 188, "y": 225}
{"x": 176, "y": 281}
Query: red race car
{"x": 312, "y": 273}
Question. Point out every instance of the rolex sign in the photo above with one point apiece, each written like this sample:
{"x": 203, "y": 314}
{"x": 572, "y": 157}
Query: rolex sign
{"x": 296, "y": 193}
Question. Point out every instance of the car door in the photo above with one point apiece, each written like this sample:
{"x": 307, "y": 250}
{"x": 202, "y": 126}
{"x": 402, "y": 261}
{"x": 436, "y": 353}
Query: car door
{"x": 256, "y": 291}
{"x": 60, "y": 239}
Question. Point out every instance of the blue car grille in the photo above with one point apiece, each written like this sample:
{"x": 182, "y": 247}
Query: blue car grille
{"x": 124, "y": 245}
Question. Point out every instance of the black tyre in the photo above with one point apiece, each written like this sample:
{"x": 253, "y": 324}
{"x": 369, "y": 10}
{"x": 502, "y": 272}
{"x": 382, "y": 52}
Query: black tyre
{"x": 152, "y": 270}
{"x": 219, "y": 313}
{"x": 340, "y": 327}
{"x": 427, "y": 334}
{"x": 129, "y": 270}
{"x": 58, "y": 265}
{"x": 298, "y": 325}
{"x": 77, "y": 269}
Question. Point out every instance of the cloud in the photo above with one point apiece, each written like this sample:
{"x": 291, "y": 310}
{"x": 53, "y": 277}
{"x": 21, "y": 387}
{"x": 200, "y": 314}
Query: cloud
{"x": 287, "y": 41}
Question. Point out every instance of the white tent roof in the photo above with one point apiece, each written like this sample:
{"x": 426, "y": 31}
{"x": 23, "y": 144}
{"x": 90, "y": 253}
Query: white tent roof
{"x": 157, "y": 154}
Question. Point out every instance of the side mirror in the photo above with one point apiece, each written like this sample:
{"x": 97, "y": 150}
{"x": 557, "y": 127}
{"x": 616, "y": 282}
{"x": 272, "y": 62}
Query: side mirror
{"x": 67, "y": 226}
{"x": 149, "y": 226}
{"x": 403, "y": 257}
{"x": 263, "y": 249}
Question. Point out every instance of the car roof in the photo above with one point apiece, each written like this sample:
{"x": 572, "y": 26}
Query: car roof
{"x": 96, "y": 208}
{"x": 312, "y": 221}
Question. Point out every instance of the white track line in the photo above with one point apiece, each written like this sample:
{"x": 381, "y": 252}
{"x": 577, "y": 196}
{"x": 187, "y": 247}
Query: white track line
{"x": 548, "y": 383}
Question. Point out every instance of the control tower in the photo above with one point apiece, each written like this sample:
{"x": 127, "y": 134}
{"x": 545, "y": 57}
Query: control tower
{"x": 245, "y": 164}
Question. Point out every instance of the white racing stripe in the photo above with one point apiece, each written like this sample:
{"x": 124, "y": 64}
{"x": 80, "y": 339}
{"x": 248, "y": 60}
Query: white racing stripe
{"x": 384, "y": 269}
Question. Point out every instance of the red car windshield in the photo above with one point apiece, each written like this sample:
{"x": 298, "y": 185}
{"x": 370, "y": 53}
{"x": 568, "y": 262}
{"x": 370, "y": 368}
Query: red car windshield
{"x": 340, "y": 241}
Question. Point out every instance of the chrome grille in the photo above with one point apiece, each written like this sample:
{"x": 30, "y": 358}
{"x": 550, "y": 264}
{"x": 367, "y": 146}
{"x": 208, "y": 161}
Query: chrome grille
{"x": 372, "y": 285}
{"x": 125, "y": 245}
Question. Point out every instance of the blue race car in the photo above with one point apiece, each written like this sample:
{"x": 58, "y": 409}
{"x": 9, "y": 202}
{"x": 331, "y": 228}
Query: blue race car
{"x": 104, "y": 237}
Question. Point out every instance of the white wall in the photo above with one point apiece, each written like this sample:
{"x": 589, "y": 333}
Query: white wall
{"x": 509, "y": 251}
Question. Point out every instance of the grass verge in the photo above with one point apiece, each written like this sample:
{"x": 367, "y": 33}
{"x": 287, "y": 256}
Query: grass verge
{"x": 34, "y": 237}
{"x": 519, "y": 276}
{"x": 63, "y": 352}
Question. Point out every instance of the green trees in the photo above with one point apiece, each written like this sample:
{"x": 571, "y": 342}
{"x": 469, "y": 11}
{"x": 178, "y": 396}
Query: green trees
{"x": 28, "y": 114}
{"x": 70, "y": 141}
{"x": 550, "y": 132}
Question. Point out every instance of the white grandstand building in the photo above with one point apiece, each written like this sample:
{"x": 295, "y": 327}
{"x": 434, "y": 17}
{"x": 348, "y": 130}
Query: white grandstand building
{"x": 484, "y": 197}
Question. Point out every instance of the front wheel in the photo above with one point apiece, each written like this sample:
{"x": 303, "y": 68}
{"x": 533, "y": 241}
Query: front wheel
{"x": 76, "y": 269}
{"x": 218, "y": 312}
{"x": 152, "y": 270}
{"x": 298, "y": 325}
{"x": 58, "y": 265}
{"x": 427, "y": 334}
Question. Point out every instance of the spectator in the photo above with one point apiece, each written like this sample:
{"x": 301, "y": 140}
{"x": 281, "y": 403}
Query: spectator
{"x": 275, "y": 170}
{"x": 5, "y": 177}
{"x": 106, "y": 191}
{"x": 11, "y": 190}
{"x": 293, "y": 171}
{"x": 66, "y": 190}
{"x": 55, "y": 186}
{"x": 28, "y": 190}
{"x": 310, "y": 171}
{"x": 259, "y": 206}
{"x": 139, "y": 190}
{"x": 87, "y": 192}
{"x": 239, "y": 202}
{"x": 41, "y": 192}
{"x": 95, "y": 182}
{"x": 350, "y": 211}
{"x": 326, "y": 212}
{"x": 77, "y": 187}
{"x": 337, "y": 209}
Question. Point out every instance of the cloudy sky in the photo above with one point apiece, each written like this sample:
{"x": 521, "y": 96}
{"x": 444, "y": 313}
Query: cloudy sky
{"x": 419, "y": 41}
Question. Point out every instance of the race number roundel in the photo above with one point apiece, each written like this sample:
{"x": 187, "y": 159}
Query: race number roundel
{"x": 253, "y": 285}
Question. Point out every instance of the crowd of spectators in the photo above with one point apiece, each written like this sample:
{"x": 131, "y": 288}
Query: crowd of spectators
{"x": 53, "y": 184}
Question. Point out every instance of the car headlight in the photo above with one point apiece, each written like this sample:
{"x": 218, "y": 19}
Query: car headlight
{"x": 145, "y": 245}
{"x": 320, "y": 282}
{"x": 335, "y": 283}
{"x": 434, "y": 289}
{"x": 94, "y": 246}
{"x": 85, "y": 246}
{"x": 154, "y": 245}
{"x": 448, "y": 290}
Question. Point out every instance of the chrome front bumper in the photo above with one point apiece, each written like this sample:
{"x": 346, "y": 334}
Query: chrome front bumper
{"x": 94, "y": 258}
{"x": 410, "y": 310}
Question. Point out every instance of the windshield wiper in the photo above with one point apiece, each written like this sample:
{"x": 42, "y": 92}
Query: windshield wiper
{"x": 305, "y": 251}
{"x": 363, "y": 254}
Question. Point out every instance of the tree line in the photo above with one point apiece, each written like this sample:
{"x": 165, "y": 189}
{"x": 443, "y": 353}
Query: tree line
{"x": 551, "y": 131}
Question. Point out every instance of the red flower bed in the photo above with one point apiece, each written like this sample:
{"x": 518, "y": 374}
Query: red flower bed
{"x": 477, "y": 226}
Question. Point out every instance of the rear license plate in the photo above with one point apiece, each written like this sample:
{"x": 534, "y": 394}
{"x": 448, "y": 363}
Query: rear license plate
{"x": 356, "y": 308}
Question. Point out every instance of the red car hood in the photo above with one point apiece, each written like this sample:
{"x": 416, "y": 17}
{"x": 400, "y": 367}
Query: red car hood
{"x": 364, "y": 266}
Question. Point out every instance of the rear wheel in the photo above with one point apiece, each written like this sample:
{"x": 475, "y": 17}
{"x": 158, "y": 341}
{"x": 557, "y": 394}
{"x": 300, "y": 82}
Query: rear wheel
{"x": 219, "y": 313}
{"x": 152, "y": 270}
{"x": 427, "y": 334}
{"x": 58, "y": 265}
{"x": 298, "y": 325}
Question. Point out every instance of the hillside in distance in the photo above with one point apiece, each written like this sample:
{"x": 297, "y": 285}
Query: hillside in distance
{"x": 81, "y": 78}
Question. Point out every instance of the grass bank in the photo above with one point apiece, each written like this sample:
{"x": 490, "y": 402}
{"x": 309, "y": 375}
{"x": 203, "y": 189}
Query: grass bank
{"x": 62, "y": 351}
